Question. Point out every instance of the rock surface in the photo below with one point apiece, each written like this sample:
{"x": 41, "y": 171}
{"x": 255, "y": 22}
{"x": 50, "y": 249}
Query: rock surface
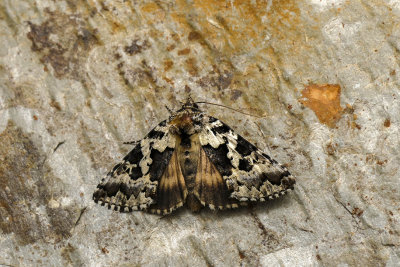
{"x": 78, "y": 78}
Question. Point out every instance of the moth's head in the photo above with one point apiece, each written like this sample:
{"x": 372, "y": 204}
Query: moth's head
{"x": 188, "y": 107}
{"x": 189, "y": 104}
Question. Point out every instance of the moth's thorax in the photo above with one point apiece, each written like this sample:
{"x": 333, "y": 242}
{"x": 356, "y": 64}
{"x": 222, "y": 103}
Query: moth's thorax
{"x": 186, "y": 121}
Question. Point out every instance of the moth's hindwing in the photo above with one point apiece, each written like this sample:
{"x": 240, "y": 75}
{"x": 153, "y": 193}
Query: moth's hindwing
{"x": 249, "y": 174}
{"x": 133, "y": 183}
{"x": 171, "y": 191}
{"x": 211, "y": 189}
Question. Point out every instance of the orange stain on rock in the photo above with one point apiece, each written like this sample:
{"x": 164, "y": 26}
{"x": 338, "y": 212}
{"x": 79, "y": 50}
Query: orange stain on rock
{"x": 153, "y": 12}
{"x": 168, "y": 64}
{"x": 191, "y": 66}
{"x": 324, "y": 100}
{"x": 235, "y": 26}
{"x": 387, "y": 123}
{"x": 232, "y": 25}
{"x": 184, "y": 51}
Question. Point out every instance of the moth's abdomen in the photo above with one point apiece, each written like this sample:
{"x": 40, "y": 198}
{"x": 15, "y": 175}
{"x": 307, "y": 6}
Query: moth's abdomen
{"x": 188, "y": 154}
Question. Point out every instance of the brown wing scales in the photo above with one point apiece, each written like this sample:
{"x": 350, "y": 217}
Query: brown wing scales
{"x": 171, "y": 190}
{"x": 210, "y": 187}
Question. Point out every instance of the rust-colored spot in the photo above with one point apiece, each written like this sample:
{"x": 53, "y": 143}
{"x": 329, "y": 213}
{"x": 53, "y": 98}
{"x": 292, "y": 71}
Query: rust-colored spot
{"x": 194, "y": 36}
{"x": 393, "y": 72}
{"x": 175, "y": 37}
{"x": 150, "y": 7}
{"x": 35, "y": 117}
{"x": 324, "y": 100}
{"x": 168, "y": 65}
{"x": 349, "y": 108}
{"x": 152, "y": 12}
{"x": 387, "y": 123}
{"x": 191, "y": 66}
{"x": 289, "y": 107}
{"x": 241, "y": 255}
{"x": 168, "y": 80}
{"x": 117, "y": 27}
{"x": 184, "y": 51}
{"x": 381, "y": 162}
{"x": 55, "y": 105}
{"x": 355, "y": 125}
{"x": 357, "y": 211}
{"x": 170, "y": 47}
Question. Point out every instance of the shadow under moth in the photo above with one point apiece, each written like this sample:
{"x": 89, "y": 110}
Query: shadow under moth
{"x": 195, "y": 160}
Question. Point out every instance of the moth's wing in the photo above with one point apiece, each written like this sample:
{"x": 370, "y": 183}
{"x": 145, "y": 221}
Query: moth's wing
{"x": 133, "y": 183}
{"x": 171, "y": 190}
{"x": 210, "y": 187}
{"x": 249, "y": 174}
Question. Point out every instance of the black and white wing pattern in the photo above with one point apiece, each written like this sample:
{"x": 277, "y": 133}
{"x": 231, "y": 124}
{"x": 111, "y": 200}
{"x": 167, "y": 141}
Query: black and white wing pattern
{"x": 192, "y": 159}
{"x": 145, "y": 175}
{"x": 249, "y": 174}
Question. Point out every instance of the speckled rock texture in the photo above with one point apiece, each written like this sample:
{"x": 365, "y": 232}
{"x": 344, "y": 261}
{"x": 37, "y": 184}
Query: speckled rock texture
{"x": 78, "y": 78}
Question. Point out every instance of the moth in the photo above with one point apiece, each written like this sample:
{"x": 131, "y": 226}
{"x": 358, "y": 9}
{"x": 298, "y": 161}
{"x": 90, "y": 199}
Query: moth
{"x": 196, "y": 160}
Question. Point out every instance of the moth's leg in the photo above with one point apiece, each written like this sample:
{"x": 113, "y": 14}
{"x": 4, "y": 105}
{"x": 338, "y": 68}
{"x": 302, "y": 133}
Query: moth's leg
{"x": 169, "y": 110}
{"x": 132, "y": 142}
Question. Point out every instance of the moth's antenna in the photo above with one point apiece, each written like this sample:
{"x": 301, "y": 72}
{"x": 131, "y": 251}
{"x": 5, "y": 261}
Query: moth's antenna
{"x": 219, "y": 105}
